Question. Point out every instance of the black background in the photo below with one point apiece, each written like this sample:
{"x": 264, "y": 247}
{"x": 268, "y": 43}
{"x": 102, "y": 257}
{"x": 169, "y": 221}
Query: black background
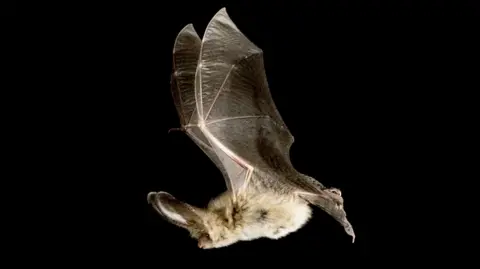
{"x": 8, "y": 8}
{"x": 360, "y": 86}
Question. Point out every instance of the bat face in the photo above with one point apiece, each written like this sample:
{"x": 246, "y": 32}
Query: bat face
{"x": 217, "y": 231}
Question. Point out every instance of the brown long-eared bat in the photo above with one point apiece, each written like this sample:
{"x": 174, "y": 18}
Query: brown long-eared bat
{"x": 222, "y": 97}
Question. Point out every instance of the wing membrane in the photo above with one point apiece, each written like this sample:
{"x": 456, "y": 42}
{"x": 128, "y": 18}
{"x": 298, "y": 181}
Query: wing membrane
{"x": 186, "y": 52}
{"x": 234, "y": 103}
{"x": 185, "y": 58}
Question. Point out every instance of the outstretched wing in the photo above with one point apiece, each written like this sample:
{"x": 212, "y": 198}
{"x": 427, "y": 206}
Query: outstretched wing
{"x": 236, "y": 111}
{"x": 186, "y": 52}
{"x": 230, "y": 114}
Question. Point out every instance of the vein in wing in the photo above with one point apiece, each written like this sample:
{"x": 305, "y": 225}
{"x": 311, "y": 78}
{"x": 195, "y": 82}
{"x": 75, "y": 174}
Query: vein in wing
{"x": 233, "y": 118}
{"x": 235, "y": 171}
{"x": 199, "y": 138}
{"x": 219, "y": 91}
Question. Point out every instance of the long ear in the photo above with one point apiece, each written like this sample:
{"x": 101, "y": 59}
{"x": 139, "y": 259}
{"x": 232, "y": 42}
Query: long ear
{"x": 175, "y": 211}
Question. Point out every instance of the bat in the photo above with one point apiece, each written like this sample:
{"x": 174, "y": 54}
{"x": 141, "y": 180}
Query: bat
{"x": 221, "y": 94}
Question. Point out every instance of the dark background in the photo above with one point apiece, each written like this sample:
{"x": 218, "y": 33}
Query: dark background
{"x": 360, "y": 86}
{"x": 8, "y": 8}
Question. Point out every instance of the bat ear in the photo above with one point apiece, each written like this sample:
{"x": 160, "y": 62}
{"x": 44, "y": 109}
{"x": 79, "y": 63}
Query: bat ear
{"x": 175, "y": 211}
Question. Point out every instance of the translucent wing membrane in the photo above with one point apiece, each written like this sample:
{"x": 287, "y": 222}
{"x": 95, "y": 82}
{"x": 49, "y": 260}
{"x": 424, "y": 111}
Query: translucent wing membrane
{"x": 234, "y": 103}
{"x": 185, "y": 58}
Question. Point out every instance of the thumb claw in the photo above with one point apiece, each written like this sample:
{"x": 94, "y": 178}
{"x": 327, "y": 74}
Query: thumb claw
{"x": 175, "y": 129}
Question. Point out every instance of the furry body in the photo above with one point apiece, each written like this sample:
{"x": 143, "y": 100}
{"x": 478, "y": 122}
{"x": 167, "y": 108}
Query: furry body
{"x": 255, "y": 215}
{"x": 258, "y": 215}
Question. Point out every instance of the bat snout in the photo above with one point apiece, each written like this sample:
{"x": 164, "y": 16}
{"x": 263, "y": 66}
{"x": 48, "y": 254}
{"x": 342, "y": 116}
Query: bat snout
{"x": 204, "y": 245}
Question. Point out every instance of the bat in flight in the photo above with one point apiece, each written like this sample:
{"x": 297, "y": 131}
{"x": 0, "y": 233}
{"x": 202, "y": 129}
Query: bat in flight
{"x": 220, "y": 90}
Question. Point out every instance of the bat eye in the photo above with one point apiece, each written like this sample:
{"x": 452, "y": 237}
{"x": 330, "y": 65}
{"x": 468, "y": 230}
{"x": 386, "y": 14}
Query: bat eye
{"x": 205, "y": 237}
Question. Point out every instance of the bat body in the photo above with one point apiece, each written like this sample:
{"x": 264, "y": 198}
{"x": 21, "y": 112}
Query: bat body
{"x": 258, "y": 214}
{"x": 222, "y": 97}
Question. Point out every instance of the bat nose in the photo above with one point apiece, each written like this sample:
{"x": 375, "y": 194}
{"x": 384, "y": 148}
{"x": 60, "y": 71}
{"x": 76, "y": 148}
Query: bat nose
{"x": 151, "y": 197}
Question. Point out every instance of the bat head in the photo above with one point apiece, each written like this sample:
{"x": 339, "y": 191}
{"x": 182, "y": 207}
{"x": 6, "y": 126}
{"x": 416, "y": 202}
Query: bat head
{"x": 210, "y": 228}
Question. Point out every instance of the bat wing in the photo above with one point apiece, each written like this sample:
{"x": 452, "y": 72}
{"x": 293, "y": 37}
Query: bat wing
{"x": 186, "y": 52}
{"x": 236, "y": 112}
{"x": 221, "y": 95}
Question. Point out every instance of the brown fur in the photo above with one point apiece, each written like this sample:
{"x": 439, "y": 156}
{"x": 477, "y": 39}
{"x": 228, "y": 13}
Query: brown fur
{"x": 256, "y": 215}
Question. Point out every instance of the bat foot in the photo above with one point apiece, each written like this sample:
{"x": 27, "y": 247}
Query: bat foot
{"x": 335, "y": 191}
